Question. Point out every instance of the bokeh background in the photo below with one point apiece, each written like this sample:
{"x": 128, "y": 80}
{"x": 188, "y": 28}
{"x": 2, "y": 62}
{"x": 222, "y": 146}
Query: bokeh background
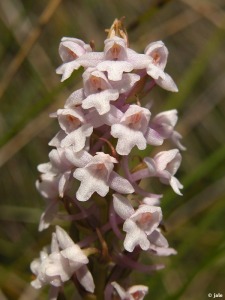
{"x": 194, "y": 32}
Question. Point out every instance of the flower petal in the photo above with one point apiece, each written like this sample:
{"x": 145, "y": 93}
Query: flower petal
{"x": 151, "y": 165}
{"x": 85, "y": 278}
{"x": 120, "y": 184}
{"x": 67, "y": 69}
{"x": 100, "y": 101}
{"x": 135, "y": 236}
{"x": 63, "y": 238}
{"x": 153, "y": 137}
{"x": 75, "y": 99}
{"x": 77, "y": 138}
{"x": 163, "y": 158}
{"x": 48, "y": 215}
{"x": 115, "y": 69}
{"x": 63, "y": 183}
{"x": 89, "y": 184}
{"x": 176, "y": 185}
{"x": 122, "y": 206}
{"x": 158, "y": 239}
{"x": 78, "y": 159}
{"x": 167, "y": 83}
{"x": 75, "y": 255}
{"x": 127, "y": 82}
{"x": 127, "y": 138}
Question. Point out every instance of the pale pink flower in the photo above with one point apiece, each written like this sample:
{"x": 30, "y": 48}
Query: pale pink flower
{"x": 69, "y": 50}
{"x": 70, "y": 118}
{"x": 115, "y": 63}
{"x": 111, "y": 117}
{"x": 138, "y": 224}
{"x": 165, "y": 165}
{"x": 118, "y": 58}
{"x": 102, "y": 116}
{"x": 55, "y": 173}
{"x": 135, "y": 292}
{"x": 76, "y": 258}
{"x": 48, "y": 185}
{"x": 131, "y": 129}
{"x": 99, "y": 91}
{"x": 65, "y": 259}
{"x": 53, "y": 183}
{"x": 158, "y": 54}
{"x": 40, "y": 267}
{"x": 98, "y": 176}
{"x": 75, "y": 129}
{"x": 78, "y": 138}
{"x": 161, "y": 127}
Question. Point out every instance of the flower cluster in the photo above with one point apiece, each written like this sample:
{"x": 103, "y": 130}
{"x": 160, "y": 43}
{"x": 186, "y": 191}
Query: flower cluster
{"x": 58, "y": 264}
{"x": 101, "y": 127}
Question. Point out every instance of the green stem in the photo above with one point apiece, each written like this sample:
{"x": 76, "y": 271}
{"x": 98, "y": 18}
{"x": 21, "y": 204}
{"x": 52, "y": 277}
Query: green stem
{"x": 100, "y": 269}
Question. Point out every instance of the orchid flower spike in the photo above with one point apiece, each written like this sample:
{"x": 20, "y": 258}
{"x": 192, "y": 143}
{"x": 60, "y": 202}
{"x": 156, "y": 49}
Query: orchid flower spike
{"x": 92, "y": 179}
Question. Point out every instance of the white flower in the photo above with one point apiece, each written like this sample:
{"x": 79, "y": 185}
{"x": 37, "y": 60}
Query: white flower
{"x": 70, "y": 118}
{"x": 48, "y": 185}
{"x": 56, "y": 173}
{"x": 77, "y": 138}
{"x": 69, "y": 50}
{"x": 53, "y": 182}
{"x": 158, "y": 54}
{"x": 111, "y": 117}
{"x": 115, "y": 62}
{"x": 162, "y": 127}
{"x": 165, "y": 165}
{"x": 138, "y": 224}
{"x": 65, "y": 259}
{"x": 98, "y": 176}
{"x": 118, "y": 58}
{"x": 98, "y": 91}
{"x": 135, "y": 292}
{"x": 75, "y": 129}
{"x": 131, "y": 129}
{"x": 42, "y": 265}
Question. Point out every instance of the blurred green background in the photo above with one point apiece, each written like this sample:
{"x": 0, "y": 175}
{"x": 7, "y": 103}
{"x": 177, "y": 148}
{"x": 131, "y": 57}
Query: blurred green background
{"x": 194, "y": 32}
